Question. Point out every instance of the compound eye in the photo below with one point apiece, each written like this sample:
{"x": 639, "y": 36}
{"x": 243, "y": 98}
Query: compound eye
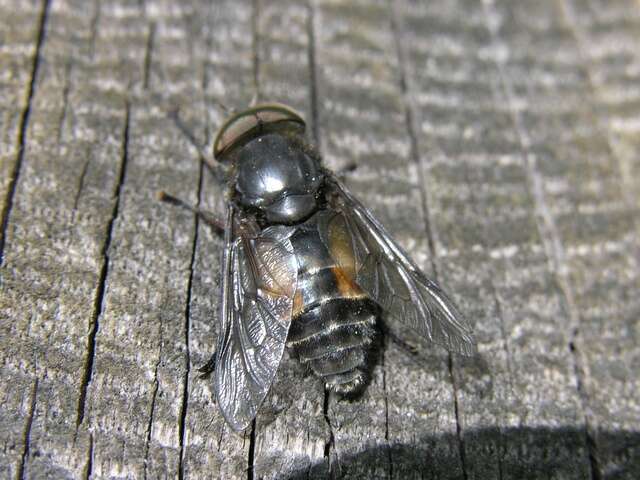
{"x": 244, "y": 124}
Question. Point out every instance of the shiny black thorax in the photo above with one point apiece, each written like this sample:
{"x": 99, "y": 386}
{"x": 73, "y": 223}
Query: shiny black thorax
{"x": 278, "y": 178}
{"x": 279, "y": 182}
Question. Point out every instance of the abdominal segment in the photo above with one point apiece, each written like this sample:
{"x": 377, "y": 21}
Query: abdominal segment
{"x": 333, "y": 331}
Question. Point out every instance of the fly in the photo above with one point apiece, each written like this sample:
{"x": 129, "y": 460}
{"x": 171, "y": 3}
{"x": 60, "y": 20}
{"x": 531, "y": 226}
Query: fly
{"x": 305, "y": 266}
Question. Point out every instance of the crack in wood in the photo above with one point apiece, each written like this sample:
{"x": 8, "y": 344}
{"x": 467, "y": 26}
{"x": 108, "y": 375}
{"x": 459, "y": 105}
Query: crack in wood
{"x": 24, "y": 123}
{"x": 88, "y": 471}
{"x": 95, "y": 19}
{"x": 503, "y": 334}
{"x": 156, "y": 383}
{"x": 456, "y": 406}
{"x": 501, "y": 438}
{"x": 410, "y": 122}
{"x": 313, "y": 79}
{"x": 26, "y": 437}
{"x": 331, "y": 441}
{"x": 81, "y": 178}
{"x": 65, "y": 98}
{"x": 156, "y": 386}
{"x": 147, "y": 442}
{"x": 187, "y": 327}
{"x": 102, "y": 280}
{"x": 255, "y": 47}
{"x": 148, "y": 55}
{"x": 252, "y": 452}
{"x": 592, "y": 447}
{"x": 386, "y": 408}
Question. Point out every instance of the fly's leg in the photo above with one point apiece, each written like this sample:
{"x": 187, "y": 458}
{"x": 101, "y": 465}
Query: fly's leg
{"x": 254, "y": 99}
{"x": 214, "y": 166}
{"x": 346, "y": 170}
{"x": 209, "y": 218}
{"x": 408, "y": 348}
{"x": 228, "y": 111}
{"x": 343, "y": 172}
{"x": 208, "y": 367}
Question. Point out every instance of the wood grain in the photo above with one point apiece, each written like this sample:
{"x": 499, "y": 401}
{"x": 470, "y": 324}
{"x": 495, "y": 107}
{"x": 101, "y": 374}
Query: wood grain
{"x": 498, "y": 141}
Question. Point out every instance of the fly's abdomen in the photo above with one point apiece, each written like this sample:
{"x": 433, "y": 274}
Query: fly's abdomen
{"x": 333, "y": 329}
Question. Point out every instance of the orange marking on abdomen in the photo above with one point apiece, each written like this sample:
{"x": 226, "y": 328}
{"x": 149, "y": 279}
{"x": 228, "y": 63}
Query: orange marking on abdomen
{"x": 330, "y": 283}
{"x": 298, "y": 304}
{"x": 346, "y": 286}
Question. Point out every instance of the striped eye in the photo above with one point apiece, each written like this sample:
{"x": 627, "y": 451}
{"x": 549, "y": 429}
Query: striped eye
{"x": 249, "y": 122}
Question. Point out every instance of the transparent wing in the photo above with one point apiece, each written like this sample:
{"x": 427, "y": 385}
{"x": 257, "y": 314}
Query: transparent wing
{"x": 259, "y": 281}
{"x": 381, "y": 267}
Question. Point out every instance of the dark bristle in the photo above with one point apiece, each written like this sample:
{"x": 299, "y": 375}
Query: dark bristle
{"x": 352, "y": 388}
{"x": 163, "y": 196}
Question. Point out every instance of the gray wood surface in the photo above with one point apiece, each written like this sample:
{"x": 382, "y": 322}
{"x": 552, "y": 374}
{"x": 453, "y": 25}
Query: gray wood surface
{"x": 499, "y": 141}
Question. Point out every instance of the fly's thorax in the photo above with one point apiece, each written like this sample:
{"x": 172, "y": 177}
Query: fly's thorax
{"x": 277, "y": 175}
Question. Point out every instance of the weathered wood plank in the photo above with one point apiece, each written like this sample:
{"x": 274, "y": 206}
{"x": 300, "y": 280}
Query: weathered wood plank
{"x": 497, "y": 141}
{"x": 135, "y": 395}
{"x": 487, "y": 231}
{"x": 55, "y": 240}
{"x": 22, "y": 34}
{"x": 20, "y": 49}
{"x": 600, "y": 232}
{"x": 592, "y": 223}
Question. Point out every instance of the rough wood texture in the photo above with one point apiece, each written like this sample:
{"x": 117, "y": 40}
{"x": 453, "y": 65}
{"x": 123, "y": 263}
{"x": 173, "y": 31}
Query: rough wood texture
{"x": 497, "y": 140}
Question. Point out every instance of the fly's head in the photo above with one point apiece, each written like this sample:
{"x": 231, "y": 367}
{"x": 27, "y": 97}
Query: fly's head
{"x": 275, "y": 172}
